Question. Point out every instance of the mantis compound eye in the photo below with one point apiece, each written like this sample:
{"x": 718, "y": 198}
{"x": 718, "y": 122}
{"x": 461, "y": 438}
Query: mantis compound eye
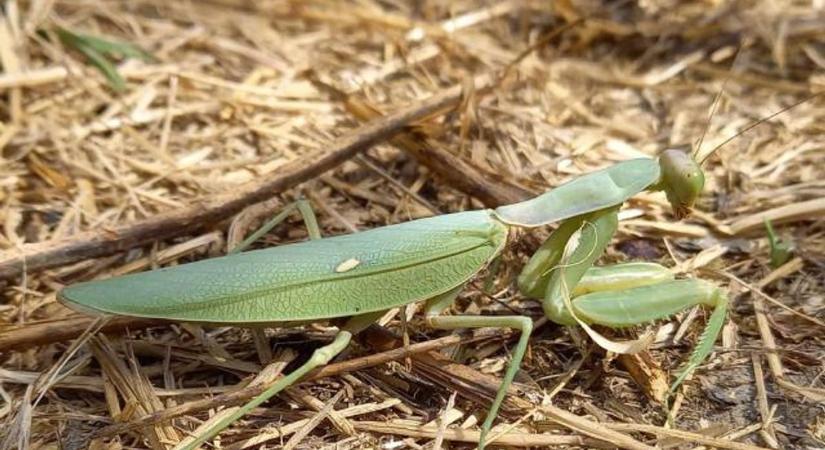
{"x": 682, "y": 180}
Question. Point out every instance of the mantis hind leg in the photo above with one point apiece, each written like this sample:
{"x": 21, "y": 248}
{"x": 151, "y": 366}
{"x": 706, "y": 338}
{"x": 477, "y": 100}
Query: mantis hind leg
{"x": 313, "y": 230}
{"x": 307, "y": 214}
{"x": 320, "y": 357}
{"x": 433, "y": 311}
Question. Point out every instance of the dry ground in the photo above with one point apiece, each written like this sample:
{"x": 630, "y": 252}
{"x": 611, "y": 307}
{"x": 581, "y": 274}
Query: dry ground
{"x": 251, "y": 102}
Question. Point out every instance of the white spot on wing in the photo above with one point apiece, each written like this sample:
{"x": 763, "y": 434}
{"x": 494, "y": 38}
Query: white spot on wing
{"x": 347, "y": 265}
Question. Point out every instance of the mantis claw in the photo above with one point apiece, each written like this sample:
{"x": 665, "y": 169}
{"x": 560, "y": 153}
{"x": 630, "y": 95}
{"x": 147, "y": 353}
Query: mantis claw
{"x": 614, "y": 296}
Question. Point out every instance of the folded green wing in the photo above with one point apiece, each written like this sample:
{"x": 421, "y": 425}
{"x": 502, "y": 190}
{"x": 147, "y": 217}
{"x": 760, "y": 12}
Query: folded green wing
{"x": 334, "y": 277}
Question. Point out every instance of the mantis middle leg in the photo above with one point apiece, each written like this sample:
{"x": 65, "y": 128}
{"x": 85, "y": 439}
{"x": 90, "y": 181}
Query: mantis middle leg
{"x": 433, "y": 311}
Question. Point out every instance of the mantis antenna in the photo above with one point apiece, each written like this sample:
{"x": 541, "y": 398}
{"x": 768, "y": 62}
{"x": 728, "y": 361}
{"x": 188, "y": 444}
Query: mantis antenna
{"x": 715, "y": 106}
{"x": 759, "y": 122}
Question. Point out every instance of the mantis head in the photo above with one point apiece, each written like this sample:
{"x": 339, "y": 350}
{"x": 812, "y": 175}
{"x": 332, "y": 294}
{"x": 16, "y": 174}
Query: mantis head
{"x": 682, "y": 180}
{"x": 681, "y": 176}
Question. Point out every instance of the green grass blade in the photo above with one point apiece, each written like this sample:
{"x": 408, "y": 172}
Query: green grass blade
{"x": 105, "y": 67}
{"x": 100, "y": 52}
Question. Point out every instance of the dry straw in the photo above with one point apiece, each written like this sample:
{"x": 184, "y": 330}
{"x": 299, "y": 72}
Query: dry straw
{"x": 273, "y": 100}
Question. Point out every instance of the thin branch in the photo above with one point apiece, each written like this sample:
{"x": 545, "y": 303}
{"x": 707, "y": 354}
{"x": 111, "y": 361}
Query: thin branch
{"x": 92, "y": 244}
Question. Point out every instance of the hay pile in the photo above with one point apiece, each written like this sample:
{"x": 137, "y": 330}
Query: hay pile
{"x": 247, "y": 107}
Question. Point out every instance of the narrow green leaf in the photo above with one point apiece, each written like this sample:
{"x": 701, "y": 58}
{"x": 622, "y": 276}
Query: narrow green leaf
{"x": 781, "y": 250}
{"x": 101, "y": 52}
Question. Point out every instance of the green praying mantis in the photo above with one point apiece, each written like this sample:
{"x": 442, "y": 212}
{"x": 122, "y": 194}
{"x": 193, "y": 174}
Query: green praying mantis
{"x": 359, "y": 277}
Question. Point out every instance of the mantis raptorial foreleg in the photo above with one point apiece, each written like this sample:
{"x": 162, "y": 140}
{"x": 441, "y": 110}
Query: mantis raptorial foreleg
{"x": 437, "y": 305}
{"x": 615, "y": 296}
{"x": 320, "y": 357}
{"x": 546, "y": 277}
